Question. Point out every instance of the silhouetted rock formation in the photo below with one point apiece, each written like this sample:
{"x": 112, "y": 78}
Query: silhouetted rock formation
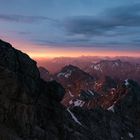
{"x": 23, "y": 94}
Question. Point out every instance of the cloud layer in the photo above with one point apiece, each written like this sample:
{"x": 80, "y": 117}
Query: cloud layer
{"x": 111, "y": 20}
{"x": 23, "y": 18}
{"x": 98, "y": 24}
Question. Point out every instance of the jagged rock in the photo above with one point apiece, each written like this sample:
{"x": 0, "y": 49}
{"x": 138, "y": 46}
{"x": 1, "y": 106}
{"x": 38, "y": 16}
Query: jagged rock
{"x": 16, "y": 107}
{"x": 17, "y": 61}
{"x": 20, "y": 63}
{"x": 21, "y": 89}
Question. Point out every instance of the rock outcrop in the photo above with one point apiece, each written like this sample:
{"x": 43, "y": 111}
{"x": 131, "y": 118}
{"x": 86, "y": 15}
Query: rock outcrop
{"x": 30, "y": 108}
{"x": 23, "y": 95}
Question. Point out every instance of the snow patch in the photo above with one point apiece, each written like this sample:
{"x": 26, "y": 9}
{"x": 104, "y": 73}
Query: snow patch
{"x": 60, "y": 74}
{"x": 116, "y": 63}
{"x": 73, "y": 117}
{"x": 70, "y": 102}
{"x": 97, "y": 67}
{"x": 111, "y": 108}
{"x": 91, "y": 92}
{"x": 130, "y": 135}
{"x": 66, "y": 74}
{"x": 71, "y": 95}
{"x": 126, "y": 82}
{"x": 78, "y": 103}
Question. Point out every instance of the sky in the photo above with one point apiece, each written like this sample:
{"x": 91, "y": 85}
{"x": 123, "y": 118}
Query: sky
{"x": 53, "y": 28}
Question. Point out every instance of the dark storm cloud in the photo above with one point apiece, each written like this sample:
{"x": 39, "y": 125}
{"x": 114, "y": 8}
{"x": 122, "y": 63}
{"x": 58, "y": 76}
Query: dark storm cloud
{"x": 109, "y": 20}
{"x": 87, "y": 25}
{"x": 24, "y": 19}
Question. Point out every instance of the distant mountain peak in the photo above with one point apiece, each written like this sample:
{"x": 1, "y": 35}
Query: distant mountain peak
{"x": 73, "y": 71}
{"x": 70, "y": 67}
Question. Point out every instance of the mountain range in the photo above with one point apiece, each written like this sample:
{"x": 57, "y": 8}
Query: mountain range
{"x": 54, "y": 65}
{"x": 100, "y": 81}
{"x": 33, "y": 103}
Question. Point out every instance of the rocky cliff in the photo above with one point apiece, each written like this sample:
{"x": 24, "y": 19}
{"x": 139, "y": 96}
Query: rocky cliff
{"x": 30, "y": 108}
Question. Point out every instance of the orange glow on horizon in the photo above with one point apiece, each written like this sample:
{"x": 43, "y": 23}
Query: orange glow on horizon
{"x": 42, "y": 52}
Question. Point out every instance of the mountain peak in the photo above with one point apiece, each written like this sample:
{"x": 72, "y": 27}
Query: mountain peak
{"x": 70, "y": 67}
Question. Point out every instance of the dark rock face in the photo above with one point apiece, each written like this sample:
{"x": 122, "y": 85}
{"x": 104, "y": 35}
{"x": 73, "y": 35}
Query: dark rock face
{"x": 17, "y": 61}
{"x": 30, "y": 108}
{"x": 20, "y": 64}
{"x": 53, "y": 92}
{"x": 21, "y": 92}
{"x": 128, "y": 109}
{"x": 19, "y": 79}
